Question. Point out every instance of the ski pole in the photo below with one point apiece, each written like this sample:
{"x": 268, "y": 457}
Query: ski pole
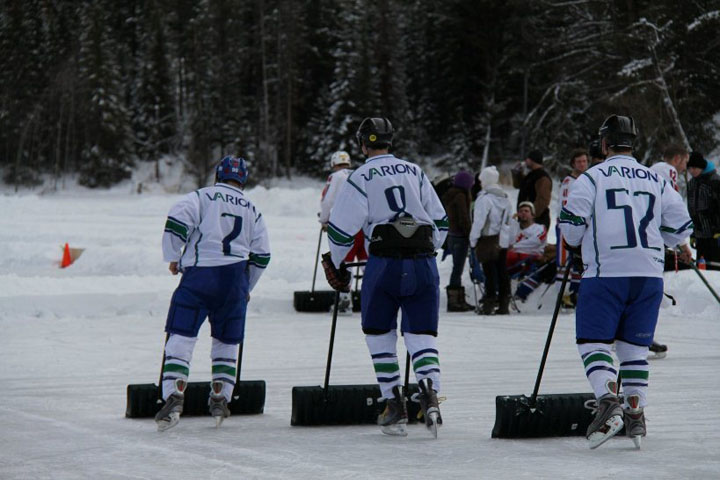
{"x": 707, "y": 284}
{"x": 543, "y": 294}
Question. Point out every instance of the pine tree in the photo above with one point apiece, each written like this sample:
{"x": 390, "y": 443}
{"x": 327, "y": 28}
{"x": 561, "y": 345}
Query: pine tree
{"x": 155, "y": 117}
{"x": 105, "y": 153}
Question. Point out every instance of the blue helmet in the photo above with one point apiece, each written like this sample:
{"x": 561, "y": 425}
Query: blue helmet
{"x": 232, "y": 168}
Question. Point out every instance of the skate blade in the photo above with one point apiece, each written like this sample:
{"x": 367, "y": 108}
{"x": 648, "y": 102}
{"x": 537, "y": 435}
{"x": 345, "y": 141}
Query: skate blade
{"x": 433, "y": 426}
{"x": 657, "y": 356}
{"x": 614, "y": 424}
{"x": 218, "y": 421}
{"x": 637, "y": 440}
{"x": 396, "y": 430}
{"x": 164, "y": 424}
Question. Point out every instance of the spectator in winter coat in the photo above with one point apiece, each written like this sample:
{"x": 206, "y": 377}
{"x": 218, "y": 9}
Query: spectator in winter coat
{"x": 535, "y": 186}
{"x": 456, "y": 201}
{"x": 490, "y": 214}
{"x": 704, "y": 207}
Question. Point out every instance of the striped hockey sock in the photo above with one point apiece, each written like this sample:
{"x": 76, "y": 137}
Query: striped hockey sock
{"x": 178, "y": 355}
{"x": 599, "y": 367}
{"x": 424, "y": 357}
{"x": 383, "y": 350}
{"x": 634, "y": 370}
{"x": 224, "y": 365}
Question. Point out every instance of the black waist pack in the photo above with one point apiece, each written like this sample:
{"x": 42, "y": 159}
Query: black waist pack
{"x": 403, "y": 238}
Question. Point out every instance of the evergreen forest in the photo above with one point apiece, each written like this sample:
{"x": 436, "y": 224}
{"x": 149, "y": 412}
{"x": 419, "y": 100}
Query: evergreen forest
{"x": 93, "y": 88}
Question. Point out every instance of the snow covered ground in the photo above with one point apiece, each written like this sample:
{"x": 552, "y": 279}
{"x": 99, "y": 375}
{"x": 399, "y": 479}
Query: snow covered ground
{"x": 72, "y": 339}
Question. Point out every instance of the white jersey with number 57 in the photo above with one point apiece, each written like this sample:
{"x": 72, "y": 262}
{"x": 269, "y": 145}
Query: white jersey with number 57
{"x": 216, "y": 226}
{"x": 379, "y": 191}
{"x": 623, "y": 214}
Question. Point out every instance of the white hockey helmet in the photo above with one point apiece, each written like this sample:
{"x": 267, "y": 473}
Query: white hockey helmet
{"x": 340, "y": 157}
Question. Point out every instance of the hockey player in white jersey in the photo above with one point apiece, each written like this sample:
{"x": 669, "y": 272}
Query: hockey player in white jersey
{"x": 217, "y": 239}
{"x": 621, "y": 214}
{"x": 578, "y": 163}
{"x": 673, "y": 164}
{"x": 393, "y": 202}
{"x": 340, "y": 164}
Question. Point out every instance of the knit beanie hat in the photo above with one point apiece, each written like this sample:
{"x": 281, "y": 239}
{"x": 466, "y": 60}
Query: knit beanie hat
{"x": 463, "y": 179}
{"x": 489, "y": 177}
{"x": 529, "y": 205}
{"x": 536, "y": 156}
{"x": 697, "y": 160}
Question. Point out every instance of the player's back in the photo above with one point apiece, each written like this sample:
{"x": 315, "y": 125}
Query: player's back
{"x": 393, "y": 186}
{"x": 625, "y": 235}
{"x": 224, "y": 229}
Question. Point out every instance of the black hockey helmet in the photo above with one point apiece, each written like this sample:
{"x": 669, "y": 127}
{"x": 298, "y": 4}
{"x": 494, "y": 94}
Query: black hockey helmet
{"x": 618, "y": 131}
{"x": 596, "y": 150}
{"x": 376, "y": 133}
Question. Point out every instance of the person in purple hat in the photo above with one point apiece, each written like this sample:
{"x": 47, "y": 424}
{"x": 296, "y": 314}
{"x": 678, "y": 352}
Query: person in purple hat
{"x": 457, "y": 205}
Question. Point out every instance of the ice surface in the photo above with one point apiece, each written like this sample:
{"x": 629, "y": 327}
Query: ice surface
{"x": 72, "y": 339}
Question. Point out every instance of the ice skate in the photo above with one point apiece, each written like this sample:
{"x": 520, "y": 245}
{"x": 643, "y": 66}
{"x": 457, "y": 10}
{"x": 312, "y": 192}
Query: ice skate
{"x": 394, "y": 418}
{"x": 635, "y": 420}
{"x": 429, "y": 405}
{"x": 218, "y": 404}
{"x": 608, "y": 421}
{"x": 344, "y": 307}
{"x": 569, "y": 301}
{"x": 657, "y": 351}
{"x": 169, "y": 414}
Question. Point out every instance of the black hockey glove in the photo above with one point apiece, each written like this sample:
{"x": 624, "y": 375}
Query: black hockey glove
{"x": 339, "y": 279}
{"x": 576, "y": 256}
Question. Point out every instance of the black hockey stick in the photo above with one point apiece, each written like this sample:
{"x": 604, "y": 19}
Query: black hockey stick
{"x": 407, "y": 371}
{"x": 162, "y": 370}
{"x": 332, "y": 330}
{"x": 533, "y": 397}
{"x": 236, "y": 391}
{"x": 332, "y": 342}
{"x": 317, "y": 257}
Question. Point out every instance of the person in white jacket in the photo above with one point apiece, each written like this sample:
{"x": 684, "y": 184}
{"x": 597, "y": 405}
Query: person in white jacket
{"x": 490, "y": 241}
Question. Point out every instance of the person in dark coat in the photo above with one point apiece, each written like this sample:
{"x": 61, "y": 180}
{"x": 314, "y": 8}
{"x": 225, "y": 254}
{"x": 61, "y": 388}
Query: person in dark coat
{"x": 704, "y": 206}
{"x": 456, "y": 201}
{"x": 535, "y": 186}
